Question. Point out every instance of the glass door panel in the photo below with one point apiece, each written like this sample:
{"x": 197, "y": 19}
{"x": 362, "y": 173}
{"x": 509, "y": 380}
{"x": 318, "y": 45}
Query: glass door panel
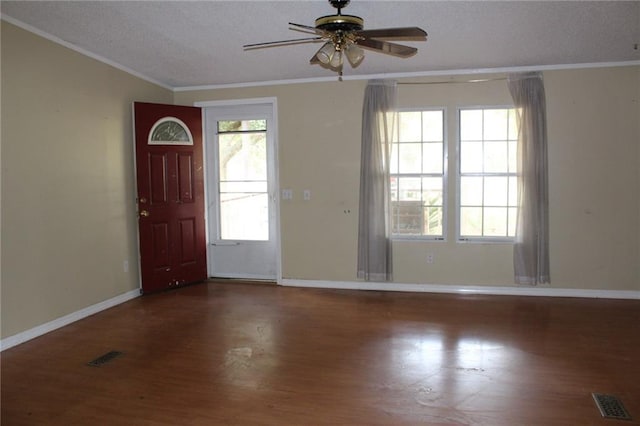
{"x": 243, "y": 181}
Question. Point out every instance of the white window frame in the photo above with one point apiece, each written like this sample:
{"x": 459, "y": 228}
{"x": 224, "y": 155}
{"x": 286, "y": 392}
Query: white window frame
{"x": 479, "y": 238}
{"x": 443, "y": 237}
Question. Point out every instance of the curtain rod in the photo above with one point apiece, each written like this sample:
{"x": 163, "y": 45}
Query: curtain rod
{"x": 482, "y": 80}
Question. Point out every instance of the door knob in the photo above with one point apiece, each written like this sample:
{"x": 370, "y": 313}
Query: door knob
{"x": 144, "y": 213}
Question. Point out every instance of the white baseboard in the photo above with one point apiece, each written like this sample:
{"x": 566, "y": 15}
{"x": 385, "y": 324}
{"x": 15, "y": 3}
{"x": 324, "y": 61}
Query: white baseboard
{"x": 247, "y": 277}
{"x": 544, "y": 291}
{"x": 45, "y": 328}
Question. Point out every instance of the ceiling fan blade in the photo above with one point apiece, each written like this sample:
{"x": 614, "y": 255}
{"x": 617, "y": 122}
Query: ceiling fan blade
{"x": 404, "y": 33}
{"x": 305, "y": 31}
{"x": 387, "y": 47}
{"x": 281, "y": 43}
{"x": 307, "y": 27}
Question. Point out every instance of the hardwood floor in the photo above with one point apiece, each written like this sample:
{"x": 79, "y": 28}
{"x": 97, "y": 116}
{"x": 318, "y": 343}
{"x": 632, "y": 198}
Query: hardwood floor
{"x": 258, "y": 354}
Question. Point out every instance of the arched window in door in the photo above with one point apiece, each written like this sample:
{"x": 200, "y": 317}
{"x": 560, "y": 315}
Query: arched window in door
{"x": 170, "y": 131}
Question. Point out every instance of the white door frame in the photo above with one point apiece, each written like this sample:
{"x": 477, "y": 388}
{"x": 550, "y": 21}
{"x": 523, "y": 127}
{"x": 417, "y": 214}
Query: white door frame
{"x": 273, "y": 102}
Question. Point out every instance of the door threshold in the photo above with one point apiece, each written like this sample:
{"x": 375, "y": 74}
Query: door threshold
{"x": 236, "y": 280}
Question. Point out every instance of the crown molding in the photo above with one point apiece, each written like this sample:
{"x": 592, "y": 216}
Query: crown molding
{"x": 439, "y": 73}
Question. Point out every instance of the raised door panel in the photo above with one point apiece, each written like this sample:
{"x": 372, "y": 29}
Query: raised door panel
{"x": 185, "y": 178}
{"x": 158, "y": 178}
{"x": 187, "y": 229}
{"x": 160, "y": 246}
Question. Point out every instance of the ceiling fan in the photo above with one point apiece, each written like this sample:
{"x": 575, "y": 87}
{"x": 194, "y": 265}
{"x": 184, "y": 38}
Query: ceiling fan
{"x": 344, "y": 36}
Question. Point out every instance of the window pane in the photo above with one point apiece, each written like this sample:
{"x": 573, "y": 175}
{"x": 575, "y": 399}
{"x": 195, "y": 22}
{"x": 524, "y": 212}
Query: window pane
{"x": 513, "y": 191}
{"x": 410, "y": 157}
{"x": 409, "y": 189}
{"x": 496, "y": 157}
{"x": 495, "y": 124}
{"x": 244, "y": 216}
{"x": 243, "y": 187}
{"x": 471, "y": 221}
{"x": 495, "y": 221}
{"x": 393, "y": 166}
{"x": 394, "y": 188}
{"x": 432, "y": 221}
{"x": 513, "y": 156}
{"x": 410, "y": 126}
{"x": 432, "y": 191}
{"x": 432, "y": 126}
{"x": 432, "y": 158}
{"x": 496, "y": 191}
{"x": 471, "y": 191}
{"x": 243, "y": 156}
{"x": 513, "y": 125}
{"x": 407, "y": 218}
{"x": 471, "y": 157}
{"x": 241, "y": 125}
{"x": 471, "y": 125}
{"x": 169, "y": 131}
{"x": 513, "y": 212}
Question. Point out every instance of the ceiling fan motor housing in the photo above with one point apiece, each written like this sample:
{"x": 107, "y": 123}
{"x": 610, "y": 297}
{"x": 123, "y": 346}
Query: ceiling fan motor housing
{"x": 340, "y": 23}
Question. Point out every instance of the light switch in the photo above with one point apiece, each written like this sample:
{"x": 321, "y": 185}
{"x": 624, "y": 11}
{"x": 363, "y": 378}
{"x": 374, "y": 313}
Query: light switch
{"x": 306, "y": 194}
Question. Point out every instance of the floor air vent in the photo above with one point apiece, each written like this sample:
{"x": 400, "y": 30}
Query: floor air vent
{"x": 610, "y": 406}
{"x": 104, "y": 358}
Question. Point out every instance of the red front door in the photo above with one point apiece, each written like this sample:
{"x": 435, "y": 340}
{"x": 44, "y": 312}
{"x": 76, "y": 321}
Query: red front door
{"x": 170, "y": 180}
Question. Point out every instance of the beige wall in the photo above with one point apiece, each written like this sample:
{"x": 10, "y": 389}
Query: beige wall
{"x": 595, "y": 177}
{"x": 594, "y": 157}
{"x": 68, "y": 211}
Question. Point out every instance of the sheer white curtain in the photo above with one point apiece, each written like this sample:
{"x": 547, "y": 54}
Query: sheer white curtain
{"x": 379, "y": 118}
{"x": 531, "y": 250}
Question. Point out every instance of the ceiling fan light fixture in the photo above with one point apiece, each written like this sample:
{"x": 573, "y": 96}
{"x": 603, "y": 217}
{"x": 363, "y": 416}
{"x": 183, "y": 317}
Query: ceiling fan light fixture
{"x": 326, "y": 53}
{"x": 336, "y": 59}
{"x": 354, "y": 54}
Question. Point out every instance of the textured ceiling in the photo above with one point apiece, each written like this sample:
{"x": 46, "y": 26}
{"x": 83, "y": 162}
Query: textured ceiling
{"x": 197, "y": 43}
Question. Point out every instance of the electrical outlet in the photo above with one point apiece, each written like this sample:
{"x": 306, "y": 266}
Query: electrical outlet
{"x": 287, "y": 194}
{"x": 306, "y": 194}
{"x": 430, "y": 258}
{"x": 125, "y": 266}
